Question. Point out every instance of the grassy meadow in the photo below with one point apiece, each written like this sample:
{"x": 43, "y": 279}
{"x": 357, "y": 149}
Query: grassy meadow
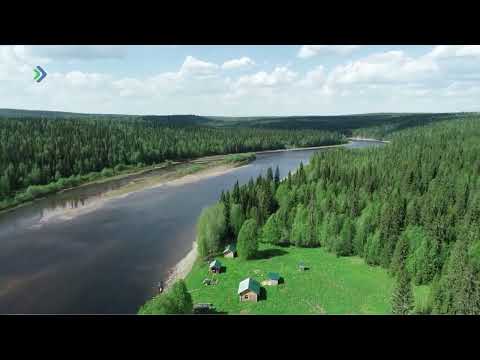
{"x": 331, "y": 285}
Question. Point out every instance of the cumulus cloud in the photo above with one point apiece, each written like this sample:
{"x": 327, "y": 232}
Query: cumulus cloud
{"x": 315, "y": 77}
{"x": 243, "y": 62}
{"x": 16, "y": 62}
{"x": 79, "y": 52}
{"x": 265, "y": 86}
{"x": 194, "y": 78}
{"x": 443, "y": 79}
{"x": 390, "y": 66}
{"x": 448, "y": 51}
{"x": 460, "y": 89}
{"x": 195, "y": 67}
{"x": 308, "y": 51}
{"x": 86, "y": 80}
{"x": 281, "y": 75}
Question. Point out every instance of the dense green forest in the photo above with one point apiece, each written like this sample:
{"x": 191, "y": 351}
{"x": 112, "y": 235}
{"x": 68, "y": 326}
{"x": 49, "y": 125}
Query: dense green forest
{"x": 377, "y": 125}
{"x": 412, "y": 207}
{"x": 38, "y": 151}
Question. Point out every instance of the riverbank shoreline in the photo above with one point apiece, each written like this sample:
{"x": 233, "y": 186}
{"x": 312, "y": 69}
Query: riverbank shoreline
{"x": 122, "y": 175}
{"x": 303, "y": 148}
{"x": 169, "y": 179}
{"x": 368, "y": 139}
{"x": 182, "y": 268}
{"x": 148, "y": 169}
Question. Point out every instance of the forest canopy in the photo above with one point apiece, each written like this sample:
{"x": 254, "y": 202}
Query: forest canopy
{"x": 412, "y": 207}
{"x": 38, "y": 151}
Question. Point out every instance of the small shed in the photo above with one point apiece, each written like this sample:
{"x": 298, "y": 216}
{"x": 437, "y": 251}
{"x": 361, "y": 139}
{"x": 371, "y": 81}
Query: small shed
{"x": 273, "y": 278}
{"x": 230, "y": 251}
{"x": 215, "y": 266}
{"x": 302, "y": 267}
{"x": 249, "y": 290}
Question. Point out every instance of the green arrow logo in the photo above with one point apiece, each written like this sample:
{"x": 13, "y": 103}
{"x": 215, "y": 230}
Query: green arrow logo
{"x": 37, "y": 74}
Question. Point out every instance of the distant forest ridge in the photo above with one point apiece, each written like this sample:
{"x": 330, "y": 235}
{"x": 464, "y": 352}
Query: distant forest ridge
{"x": 378, "y": 124}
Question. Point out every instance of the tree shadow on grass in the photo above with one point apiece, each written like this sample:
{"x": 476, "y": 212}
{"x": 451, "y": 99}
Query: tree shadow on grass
{"x": 270, "y": 253}
{"x": 263, "y": 294}
{"x": 210, "y": 312}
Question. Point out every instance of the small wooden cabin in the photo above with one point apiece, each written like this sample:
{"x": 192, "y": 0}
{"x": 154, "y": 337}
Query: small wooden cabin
{"x": 249, "y": 290}
{"x": 273, "y": 278}
{"x": 230, "y": 251}
{"x": 215, "y": 266}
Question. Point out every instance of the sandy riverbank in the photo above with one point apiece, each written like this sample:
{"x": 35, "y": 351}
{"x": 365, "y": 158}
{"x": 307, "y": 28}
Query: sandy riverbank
{"x": 302, "y": 148}
{"x": 183, "y": 267}
{"x": 169, "y": 179}
{"x": 368, "y": 139}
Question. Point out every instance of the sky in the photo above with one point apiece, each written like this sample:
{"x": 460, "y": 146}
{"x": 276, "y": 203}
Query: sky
{"x": 241, "y": 80}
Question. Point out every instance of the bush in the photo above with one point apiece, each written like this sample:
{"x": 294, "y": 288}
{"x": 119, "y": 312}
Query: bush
{"x": 247, "y": 244}
{"x": 177, "y": 300}
{"x": 120, "y": 167}
{"x": 107, "y": 172}
{"x": 234, "y": 158}
{"x": 211, "y": 228}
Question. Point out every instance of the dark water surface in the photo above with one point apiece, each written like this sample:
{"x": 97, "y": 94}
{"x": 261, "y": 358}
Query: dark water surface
{"x": 109, "y": 259}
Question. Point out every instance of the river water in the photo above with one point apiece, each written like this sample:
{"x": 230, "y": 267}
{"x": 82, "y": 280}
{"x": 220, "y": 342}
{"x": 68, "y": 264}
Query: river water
{"x": 108, "y": 260}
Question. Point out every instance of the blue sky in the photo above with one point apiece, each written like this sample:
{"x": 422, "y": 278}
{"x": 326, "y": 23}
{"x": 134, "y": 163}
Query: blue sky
{"x": 242, "y": 80}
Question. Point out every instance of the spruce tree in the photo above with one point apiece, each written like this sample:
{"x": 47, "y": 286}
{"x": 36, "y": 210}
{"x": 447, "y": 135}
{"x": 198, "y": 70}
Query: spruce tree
{"x": 226, "y": 213}
{"x": 344, "y": 244}
{"x": 269, "y": 175}
{"x": 236, "y": 193}
{"x": 400, "y": 254}
{"x": 277, "y": 176}
{"x": 402, "y": 295}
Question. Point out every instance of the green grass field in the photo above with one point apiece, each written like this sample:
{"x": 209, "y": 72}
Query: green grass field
{"x": 331, "y": 285}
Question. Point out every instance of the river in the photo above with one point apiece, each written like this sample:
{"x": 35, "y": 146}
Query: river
{"x": 108, "y": 260}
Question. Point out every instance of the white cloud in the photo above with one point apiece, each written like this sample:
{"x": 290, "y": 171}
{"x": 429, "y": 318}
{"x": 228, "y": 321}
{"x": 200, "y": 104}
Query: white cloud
{"x": 16, "y": 62}
{"x": 315, "y": 77}
{"x": 307, "y": 51}
{"x": 79, "y": 52}
{"x": 391, "y": 66}
{"x": 448, "y": 51}
{"x": 194, "y": 78}
{"x": 444, "y": 79}
{"x": 86, "y": 80}
{"x": 267, "y": 87}
{"x": 238, "y": 63}
{"x": 195, "y": 67}
{"x": 458, "y": 89}
{"x": 281, "y": 75}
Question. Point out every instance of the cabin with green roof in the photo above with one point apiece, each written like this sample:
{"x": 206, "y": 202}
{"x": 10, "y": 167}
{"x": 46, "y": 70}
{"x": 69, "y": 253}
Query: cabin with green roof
{"x": 273, "y": 278}
{"x": 215, "y": 266}
{"x": 230, "y": 251}
{"x": 249, "y": 290}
